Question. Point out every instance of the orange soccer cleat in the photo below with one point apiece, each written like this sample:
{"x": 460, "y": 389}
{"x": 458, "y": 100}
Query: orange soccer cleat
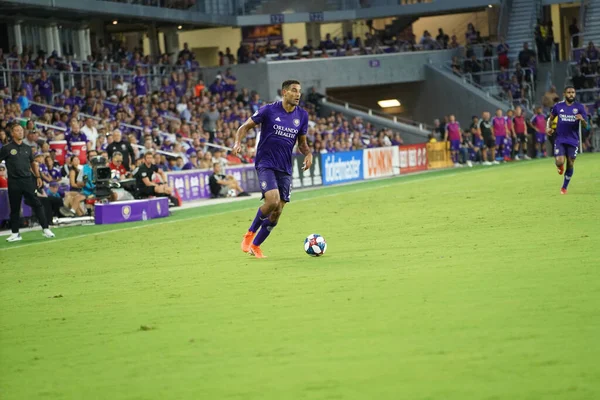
{"x": 256, "y": 252}
{"x": 563, "y": 191}
{"x": 561, "y": 169}
{"x": 247, "y": 241}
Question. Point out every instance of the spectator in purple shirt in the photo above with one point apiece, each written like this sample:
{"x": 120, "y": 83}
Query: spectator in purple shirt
{"x": 166, "y": 88}
{"x": 217, "y": 86}
{"x": 28, "y": 86}
{"x": 140, "y": 83}
{"x": 45, "y": 87}
{"x": 255, "y": 102}
{"x": 75, "y": 134}
{"x": 230, "y": 81}
{"x": 181, "y": 86}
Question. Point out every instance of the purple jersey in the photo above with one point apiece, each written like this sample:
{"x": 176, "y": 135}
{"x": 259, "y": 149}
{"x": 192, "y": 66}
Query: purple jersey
{"x": 141, "y": 85}
{"x": 55, "y": 173}
{"x": 45, "y": 87}
{"x": 180, "y": 89}
{"x": 278, "y": 133}
{"x": 539, "y": 122}
{"x": 499, "y": 124}
{"x": 72, "y": 138}
{"x": 567, "y": 127}
{"x": 453, "y": 129}
{"x": 29, "y": 88}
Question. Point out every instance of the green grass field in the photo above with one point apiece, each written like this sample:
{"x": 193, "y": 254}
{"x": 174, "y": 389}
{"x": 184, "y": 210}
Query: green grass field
{"x": 458, "y": 284}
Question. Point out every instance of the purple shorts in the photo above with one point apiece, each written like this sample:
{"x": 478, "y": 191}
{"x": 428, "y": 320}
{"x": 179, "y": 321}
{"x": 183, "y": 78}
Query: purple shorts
{"x": 455, "y": 145}
{"x": 540, "y": 137}
{"x": 564, "y": 149}
{"x": 500, "y": 141}
{"x": 270, "y": 179}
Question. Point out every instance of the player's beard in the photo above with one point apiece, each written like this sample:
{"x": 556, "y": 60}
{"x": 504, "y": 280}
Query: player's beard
{"x": 570, "y": 100}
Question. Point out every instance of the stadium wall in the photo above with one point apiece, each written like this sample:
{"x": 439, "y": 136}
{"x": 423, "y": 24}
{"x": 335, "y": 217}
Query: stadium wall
{"x": 378, "y": 69}
{"x": 447, "y": 94}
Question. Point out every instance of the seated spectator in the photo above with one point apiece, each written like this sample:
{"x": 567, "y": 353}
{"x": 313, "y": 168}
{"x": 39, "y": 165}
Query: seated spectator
{"x": 515, "y": 91}
{"x": 118, "y": 170}
{"x": 192, "y": 163}
{"x": 503, "y": 78}
{"x": 220, "y": 184}
{"x": 145, "y": 185}
{"x": 475, "y": 68}
{"x": 456, "y": 68}
{"x": 218, "y": 158}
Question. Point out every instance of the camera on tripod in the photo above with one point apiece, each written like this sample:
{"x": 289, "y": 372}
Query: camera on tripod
{"x": 101, "y": 178}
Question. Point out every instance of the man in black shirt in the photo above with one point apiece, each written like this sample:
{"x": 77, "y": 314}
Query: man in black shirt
{"x": 20, "y": 165}
{"x": 143, "y": 176}
{"x": 489, "y": 140}
{"x": 220, "y": 184}
{"x": 123, "y": 147}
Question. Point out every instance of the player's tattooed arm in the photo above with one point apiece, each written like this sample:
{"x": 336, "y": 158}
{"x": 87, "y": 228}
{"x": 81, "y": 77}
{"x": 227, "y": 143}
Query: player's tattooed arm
{"x": 304, "y": 148}
{"x": 241, "y": 134}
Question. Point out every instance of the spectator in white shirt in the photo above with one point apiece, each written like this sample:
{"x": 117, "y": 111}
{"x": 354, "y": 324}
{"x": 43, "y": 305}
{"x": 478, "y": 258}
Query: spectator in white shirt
{"x": 91, "y": 133}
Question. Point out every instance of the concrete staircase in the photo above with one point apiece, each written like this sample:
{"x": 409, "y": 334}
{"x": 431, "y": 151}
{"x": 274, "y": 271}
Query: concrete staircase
{"x": 591, "y": 30}
{"x": 521, "y": 24}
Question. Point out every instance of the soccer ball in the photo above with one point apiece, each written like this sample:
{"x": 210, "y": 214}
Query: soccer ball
{"x": 315, "y": 245}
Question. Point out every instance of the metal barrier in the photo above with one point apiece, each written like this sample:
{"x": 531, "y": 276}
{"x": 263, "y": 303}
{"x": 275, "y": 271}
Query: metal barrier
{"x": 370, "y": 111}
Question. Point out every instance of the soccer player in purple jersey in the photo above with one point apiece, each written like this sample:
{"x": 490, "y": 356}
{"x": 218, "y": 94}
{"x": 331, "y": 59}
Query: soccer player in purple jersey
{"x": 570, "y": 115}
{"x": 282, "y": 124}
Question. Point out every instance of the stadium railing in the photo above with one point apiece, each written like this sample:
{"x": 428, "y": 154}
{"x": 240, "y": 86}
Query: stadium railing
{"x": 105, "y": 79}
{"x": 370, "y": 111}
{"x": 488, "y": 83}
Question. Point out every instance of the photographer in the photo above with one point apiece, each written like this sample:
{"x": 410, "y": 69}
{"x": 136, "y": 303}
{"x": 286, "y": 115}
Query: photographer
{"x": 96, "y": 177}
{"x": 145, "y": 186}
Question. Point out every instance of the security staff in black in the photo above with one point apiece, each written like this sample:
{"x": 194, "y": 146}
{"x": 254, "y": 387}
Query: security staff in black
{"x": 22, "y": 169}
{"x": 145, "y": 186}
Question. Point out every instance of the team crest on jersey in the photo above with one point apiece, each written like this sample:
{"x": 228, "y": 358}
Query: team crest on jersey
{"x": 296, "y": 122}
{"x": 126, "y": 212}
{"x": 13, "y": 152}
{"x": 575, "y": 111}
{"x": 263, "y": 184}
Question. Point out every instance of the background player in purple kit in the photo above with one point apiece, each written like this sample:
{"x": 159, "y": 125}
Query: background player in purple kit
{"x": 570, "y": 115}
{"x": 538, "y": 122}
{"x": 282, "y": 123}
{"x": 453, "y": 133}
{"x": 499, "y": 128}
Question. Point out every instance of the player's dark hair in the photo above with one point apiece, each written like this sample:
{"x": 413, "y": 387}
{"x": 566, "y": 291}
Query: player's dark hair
{"x": 569, "y": 87}
{"x": 286, "y": 84}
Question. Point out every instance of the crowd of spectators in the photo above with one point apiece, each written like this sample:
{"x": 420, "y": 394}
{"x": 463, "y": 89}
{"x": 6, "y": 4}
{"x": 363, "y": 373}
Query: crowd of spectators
{"x": 515, "y": 84}
{"x": 183, "y": 124}
{"x": 585, "y": 75}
